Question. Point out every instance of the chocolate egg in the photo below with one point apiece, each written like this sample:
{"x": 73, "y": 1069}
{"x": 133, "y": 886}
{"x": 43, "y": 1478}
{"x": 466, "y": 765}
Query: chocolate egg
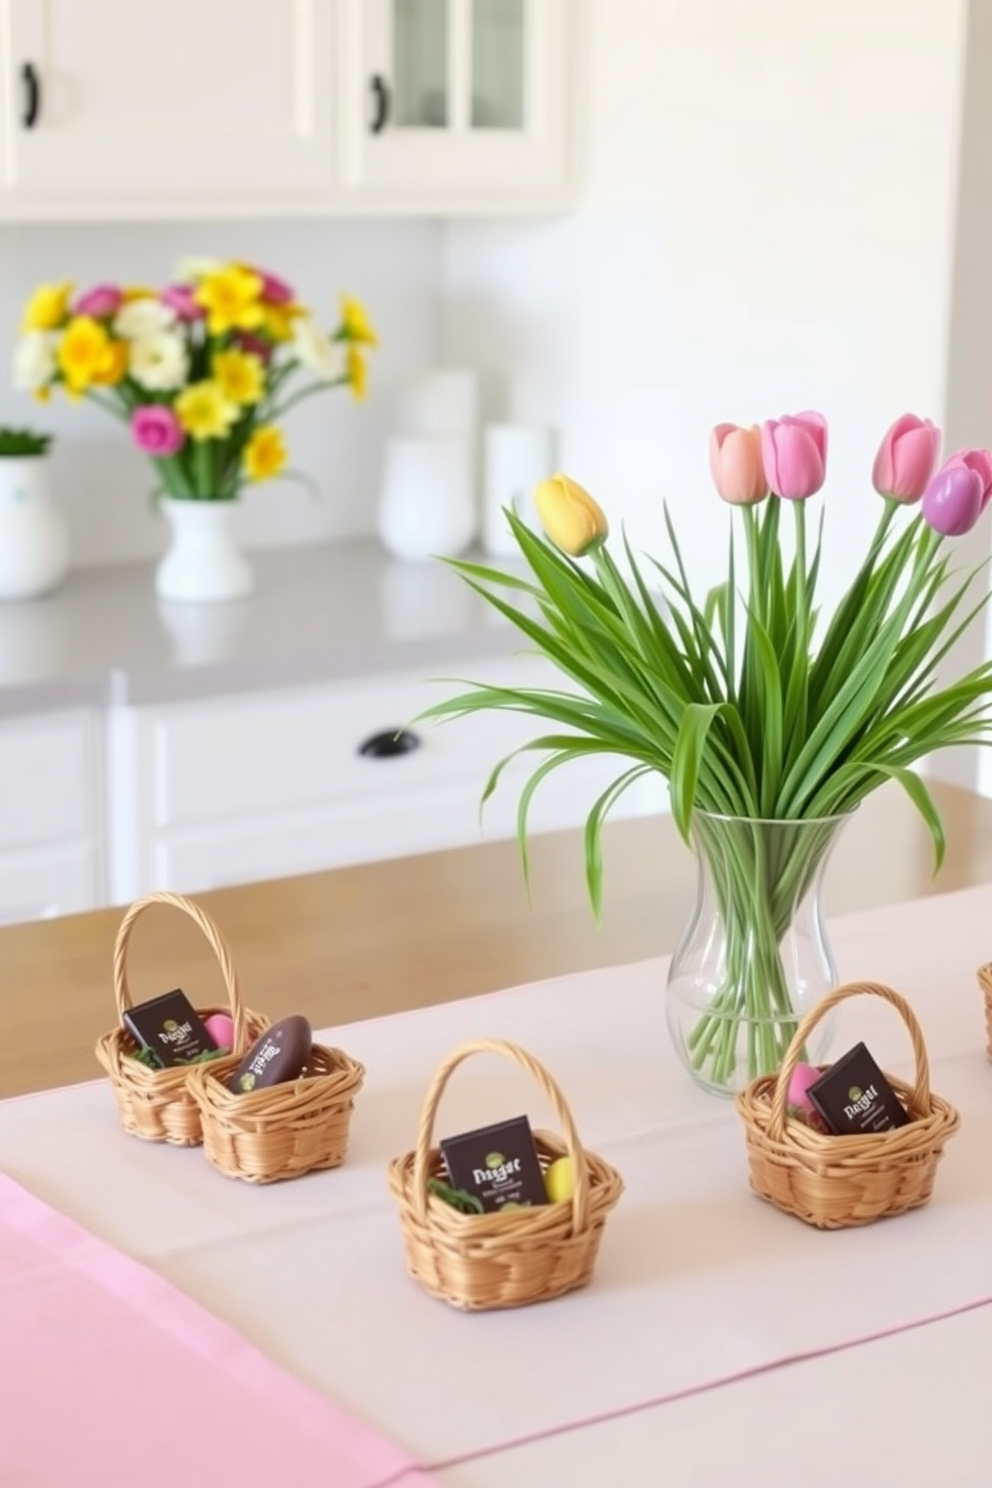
{"x": 278, "y": 1055}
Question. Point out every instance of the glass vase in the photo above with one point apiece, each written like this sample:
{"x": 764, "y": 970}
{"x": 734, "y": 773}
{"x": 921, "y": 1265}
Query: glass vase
{"x": 754, "y": 956}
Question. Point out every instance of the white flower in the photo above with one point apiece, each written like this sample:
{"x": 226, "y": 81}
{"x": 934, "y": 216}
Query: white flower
{"x": 143, "y": 318}
{"x": 191, "y": 270}
{"x": 160, "y": 362}
{"x": 315, "y": 349}
{"x": 34, "y": 361}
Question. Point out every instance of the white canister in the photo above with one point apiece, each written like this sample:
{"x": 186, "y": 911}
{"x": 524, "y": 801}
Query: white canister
{"x": 516, "y": 457}
{"x": 426, "y": 500}
{"x": 34, "y": 536}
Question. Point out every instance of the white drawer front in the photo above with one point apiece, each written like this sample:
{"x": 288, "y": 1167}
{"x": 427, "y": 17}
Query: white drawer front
{"x": 288, "y": 751}
{"x": 47, "y": 779}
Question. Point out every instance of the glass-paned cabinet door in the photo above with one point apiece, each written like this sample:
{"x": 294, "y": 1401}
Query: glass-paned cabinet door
{"x": 459, "y": 98}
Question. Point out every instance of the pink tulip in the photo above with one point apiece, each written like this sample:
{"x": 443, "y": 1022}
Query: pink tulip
{"x": 906, "y": 458}
{"x": 958, "y": 494}
{"x": 100, "y": 302}
{"x": 181, "y": 299}
{"x": 157, "y": 431}
{"x": 275, "y": 291}
{"x": 794, "y": 454}
{"x": 735, "y": 464}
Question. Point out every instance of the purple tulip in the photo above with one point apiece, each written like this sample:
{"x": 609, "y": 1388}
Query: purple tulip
{"x": 906, "y": 458}
{"x": 254, "y": 345}
{"x": 794, "y": 454}
{"x": 100, "y": 303}
{"x": 958, "y": 494}
{"x": 181, "y": 299}
{"x": 156, "y": 430}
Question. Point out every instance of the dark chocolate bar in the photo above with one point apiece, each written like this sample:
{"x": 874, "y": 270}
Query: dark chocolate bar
{"x": 854, "y": 1096}
{"x": 170, "y": 1028}
{"x": 498, "y": 1165}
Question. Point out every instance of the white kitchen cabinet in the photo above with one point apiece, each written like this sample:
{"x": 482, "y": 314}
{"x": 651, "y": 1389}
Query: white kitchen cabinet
{"x": 51, "y": 815}
{"x": 138, "y": 105}
{"x": 217, "y": 792}
{"x": 466, "y": 101}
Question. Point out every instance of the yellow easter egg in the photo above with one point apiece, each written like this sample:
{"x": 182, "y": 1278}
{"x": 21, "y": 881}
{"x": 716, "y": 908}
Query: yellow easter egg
{"x": 559, "y": 1180}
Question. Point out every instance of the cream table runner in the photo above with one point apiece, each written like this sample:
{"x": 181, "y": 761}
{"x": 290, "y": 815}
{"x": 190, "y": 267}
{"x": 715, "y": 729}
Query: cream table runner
{"x": 698, "y": 1281}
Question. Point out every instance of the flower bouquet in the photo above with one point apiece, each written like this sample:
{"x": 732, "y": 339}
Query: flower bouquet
{"x": 202, "y": 371}
{"x": 770, "y": 720}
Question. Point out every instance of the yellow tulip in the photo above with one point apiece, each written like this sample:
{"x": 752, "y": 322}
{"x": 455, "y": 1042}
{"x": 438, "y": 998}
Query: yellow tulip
{"x": 572, "y": 519}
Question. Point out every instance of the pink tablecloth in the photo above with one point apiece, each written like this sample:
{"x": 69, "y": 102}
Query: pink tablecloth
{"x": 103, "y": 1363}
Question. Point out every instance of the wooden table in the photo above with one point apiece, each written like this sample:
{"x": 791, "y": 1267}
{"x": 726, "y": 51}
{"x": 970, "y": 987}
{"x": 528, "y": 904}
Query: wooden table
{"x": 359, "y": 942}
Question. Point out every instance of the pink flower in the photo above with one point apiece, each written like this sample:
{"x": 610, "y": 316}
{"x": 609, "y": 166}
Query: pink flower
{"x": 254, "y": 345}
{"x": 181, "y": 299}
{"x": 735, "y": 464}
{"x": 275, "y": 291}
{"x": 794, "y": 454}
{"x": 958, "y": 494}
{"x": 156, "y": 430}
{"x": 100, "y": 302}
{"x": 906, "y": 458}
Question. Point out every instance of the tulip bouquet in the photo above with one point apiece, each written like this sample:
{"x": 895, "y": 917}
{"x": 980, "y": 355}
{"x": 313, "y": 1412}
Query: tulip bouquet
{"x": 200, "y": 370}
{"x": 755, "y": 707}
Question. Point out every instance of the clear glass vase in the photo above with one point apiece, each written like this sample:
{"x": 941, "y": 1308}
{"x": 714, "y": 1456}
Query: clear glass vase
{"x": 754, "y": 956}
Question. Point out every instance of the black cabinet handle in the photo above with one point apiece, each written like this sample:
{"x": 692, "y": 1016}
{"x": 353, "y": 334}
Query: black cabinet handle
{"x": 32, "y": 96}
{"x": 380, "y": 96}
{"x": 389, "y": 743}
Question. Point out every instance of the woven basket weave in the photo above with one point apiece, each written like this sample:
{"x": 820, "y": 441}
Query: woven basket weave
{"x": 157, "y": 1104}
{"x": 835, "y": 1182}
{"x": 985, "y": 983}
{"x": 279, "y": 1131}
{"x": 480, "y": 1262}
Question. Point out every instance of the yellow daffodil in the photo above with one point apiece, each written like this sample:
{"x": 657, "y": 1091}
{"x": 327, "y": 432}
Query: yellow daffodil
{"x": 278, "y": 320}
{"x": 571, "y": 518}
{"x": 239, "y": 375}
{"x": 114, "y": 365}
{"x": 137, "y": 292}
{"x": 355, "y": 323}
{"x": 48, "y": 307}
{"x": 84, "y": 353}
{"x": 358, "y": 377}
{"x": 231, "y": 300}
{"x": 265, "y": 453}
{"x": 204, "y": 412}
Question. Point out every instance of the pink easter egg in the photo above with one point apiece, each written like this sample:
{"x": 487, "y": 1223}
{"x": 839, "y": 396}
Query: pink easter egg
{"x": 221, "y": 1029}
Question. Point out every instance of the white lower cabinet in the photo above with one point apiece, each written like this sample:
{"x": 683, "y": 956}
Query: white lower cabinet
{"x": 51, "y": 815}
{"x": 270, "y": 784}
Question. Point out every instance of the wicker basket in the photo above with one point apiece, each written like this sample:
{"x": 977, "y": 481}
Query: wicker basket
{"x": 835, "y": 1182}
{"x": 985, "y": 982}
{"x": 280, "y": 1131}
{"x": 157, "y": 1104}
{"x": 484, "y": 1261}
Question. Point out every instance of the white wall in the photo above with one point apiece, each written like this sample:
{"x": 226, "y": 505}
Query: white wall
{"x": 767, "y": 226}
{"x": 103, "y": 483}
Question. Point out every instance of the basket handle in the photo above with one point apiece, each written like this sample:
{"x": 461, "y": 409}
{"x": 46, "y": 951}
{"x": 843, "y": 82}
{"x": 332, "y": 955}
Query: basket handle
{"x": 921, "y": 1089}
{"x": 576, "y": 1151}
{"x": 218, "y": 945}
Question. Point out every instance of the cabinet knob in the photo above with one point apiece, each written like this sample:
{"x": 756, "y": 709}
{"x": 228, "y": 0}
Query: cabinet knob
{"x": 32, "y": 95}
{"x": 380, "y": 100}
{"x": 389, "y": 743}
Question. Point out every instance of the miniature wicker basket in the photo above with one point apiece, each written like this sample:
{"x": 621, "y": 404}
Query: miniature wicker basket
{"x": 279, "y": 1131}
{"x": 484, "y": 1261}
{"x": 835, "y": 1182}
{"x": 157, "y": 1104}
{"x": 985, "y": 982}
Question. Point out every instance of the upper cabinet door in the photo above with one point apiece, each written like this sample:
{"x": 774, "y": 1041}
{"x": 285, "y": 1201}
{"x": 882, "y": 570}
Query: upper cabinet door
{"x": 458, "y": 100}
{"x": 192, "y": 100}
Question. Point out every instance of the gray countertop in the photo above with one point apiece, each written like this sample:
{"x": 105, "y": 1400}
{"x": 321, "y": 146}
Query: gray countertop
{"x": 317, "y": 614}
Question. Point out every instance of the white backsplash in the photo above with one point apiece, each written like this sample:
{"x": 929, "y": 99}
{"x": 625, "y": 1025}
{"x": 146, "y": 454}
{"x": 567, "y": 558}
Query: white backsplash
{"x": 104, "y": 484}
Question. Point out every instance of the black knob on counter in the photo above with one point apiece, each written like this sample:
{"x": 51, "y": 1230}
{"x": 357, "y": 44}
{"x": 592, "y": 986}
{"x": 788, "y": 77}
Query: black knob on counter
{"x": 389, "y": 743}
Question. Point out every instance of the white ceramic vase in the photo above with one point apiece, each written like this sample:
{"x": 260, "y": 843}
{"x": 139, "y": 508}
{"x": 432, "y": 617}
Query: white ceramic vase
{"x": 34, "y": 537}
{"x": 204, "y": 564}
{"x": 426, "y": 502}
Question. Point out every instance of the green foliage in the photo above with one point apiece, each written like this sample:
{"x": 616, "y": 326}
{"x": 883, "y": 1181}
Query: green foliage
{"x": 742, "y": 701}
{"x": 20, "y": 442}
